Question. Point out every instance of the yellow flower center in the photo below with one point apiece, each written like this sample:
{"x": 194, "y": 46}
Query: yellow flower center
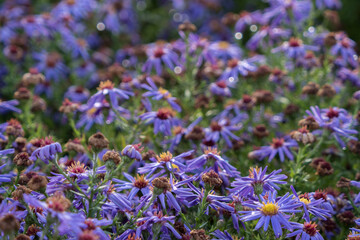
{"x": 305, "y": 200}
{"x": 106, "y": 85}
{"x": 269, "y": 209}
{"x": 165, "y": 92}
{"x": 91, "y": 111}
{"x": 223, "y": 45}
{"x": 164, "y": 157}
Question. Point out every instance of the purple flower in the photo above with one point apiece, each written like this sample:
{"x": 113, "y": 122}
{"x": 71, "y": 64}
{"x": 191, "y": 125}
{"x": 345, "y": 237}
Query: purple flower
{"x": 337, "y": 120}
{"x": 193, "y": 196}
{"x": 294, "y": 49}
{"x": 278, "y": 146}
{"x": 89, "y": 117}
{"x": 119, "y": 17}
{"x": 34, "y": 26}
{"x": 272, "y": 210}
{"x": 133, "y": 151}
{"x": 47, "y": 151}
{"x": 77, "y": 8}
{"x": 6, "y": 177}
{"x": 312, "y": 206}
{"x": 213, "y": 160}
{"x": 115, "y": 94}
{"x": 56, "y": 207}
{"x": 352, "y": 76}
{"x": 165, "y": 222}
{"x": 224, "y": 50}
{"x": 163, "y": 120}
{"x": 282, "y": 11}
{"x": 158, "y": 54}
{"x": 306, "y": 230}
{"x": 224, "y": 129}
{"x": 257, "y": 182}
{"x": 8, "y": 106}
{"x": 344, "y": 47}
{"x": 77, "y": 94}
{"x": 160, "y": 93}
{"x": 139, "y": 183}
{"x": 78, "y": 47}
{"x": 247, "y": 19}
{"x": 220, "y": 88}
{"x": 165, "y": 162}
{"x": 266, "y": 37}
{"x": 120, "y": 202}
{"x": 179, "y": 132}
{"x": 51, "y": 65}
{"x": 332, "y": 4}
{"x": 238, "y": 67}
{"x": 222, "y": 235}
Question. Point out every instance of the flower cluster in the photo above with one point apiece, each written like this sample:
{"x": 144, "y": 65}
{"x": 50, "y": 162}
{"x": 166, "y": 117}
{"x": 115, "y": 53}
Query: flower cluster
{"x": 235, "y": 125}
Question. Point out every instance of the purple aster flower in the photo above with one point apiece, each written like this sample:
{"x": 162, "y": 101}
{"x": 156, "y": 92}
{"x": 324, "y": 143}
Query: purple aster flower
{"x": 332, "y": 4}
{"x": 47, "y": 151}
{"x": 356, "y": 184}
{"x": 279, "y": 146}
{"x": 127, "y": 56}
{"x": 236, "y": 67}
{"x": 78, "y": 47}
{"x": 282, "y": 11}
{"x": 115, "y": 94}
{"x": 222, "y": 235}
{"x": 140, "y": 183}
{"x": 89, "y": 117}
{"x": 352, "y": 76}
{"x": 306, "y": 230}
{"x": 51, "y": 65}
{"x": 212, "y": 160}
{"x": 272, "y": 210}
{"x": 160, "y": 93}
{"x": 309, "y": 61}
{"x": 77, "y": 8}
{"x": 6, "y": 177}
{"x": 355, "y": 232}
{"x": 9, "y": 106}
{"x": 222, "y": 129}
{"x": 220, "y": 88}
{"x": 133, "y": 151}
{"x": 312, "y": 206}
{"x": 179, "y": 132}
{"x": 337, "y": 120}
{"x": 294, "y": 49}
{"x": 165, "y": 222}
{"x": 193, "y": 196}
{"x": 9, "y": 23}
{"x": 77, "y": 94}
{"x": 344, "y": 48}
{"x": 199, "y": 47}
{"x": 120, "y": 17}
{"x": 121, "y": 203}
{"x": 158, "y": 54}
{"x": 165, "y": 162}
{"x": 257, "y": 182}
{"x": 246, "y": 19}
{"x": 56, "y": 207}
{"x": 224, "y": 50}
{"x": 34, "y": 26}
{"x": 163, "y": 120}
{"x": 85, "y": 70}
{"x": 267, "y": 36}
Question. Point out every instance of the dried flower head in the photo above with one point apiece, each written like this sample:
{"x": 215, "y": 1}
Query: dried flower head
{"x": 98, "y": 141}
